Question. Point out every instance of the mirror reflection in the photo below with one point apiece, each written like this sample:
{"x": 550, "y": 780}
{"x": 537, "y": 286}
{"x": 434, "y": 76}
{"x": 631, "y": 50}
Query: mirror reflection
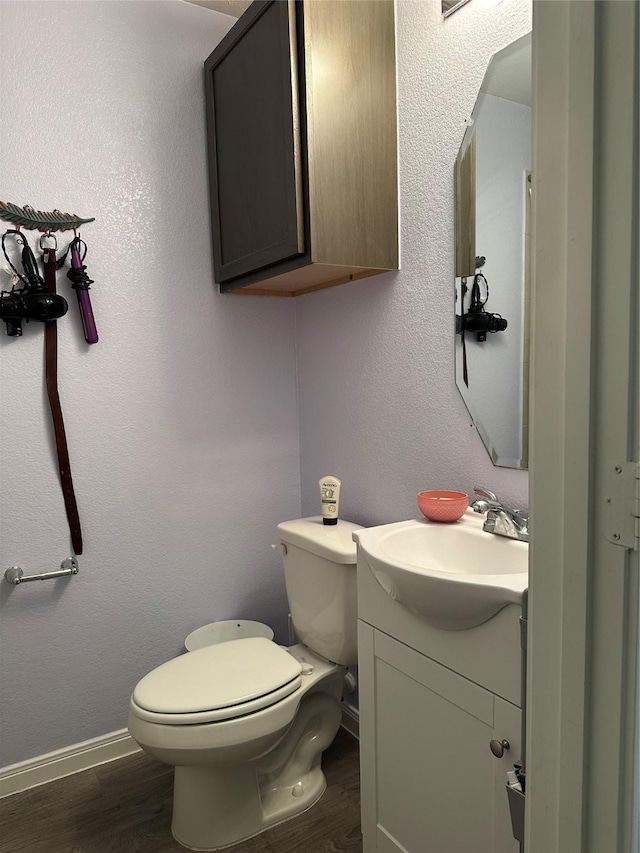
{"x": 493, "y": 216}
{"x": 450, "y": 6}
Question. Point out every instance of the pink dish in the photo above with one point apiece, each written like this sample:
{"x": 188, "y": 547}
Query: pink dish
{"x": 442, "y": 505}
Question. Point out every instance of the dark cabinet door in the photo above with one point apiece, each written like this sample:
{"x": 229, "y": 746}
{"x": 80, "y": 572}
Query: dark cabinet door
{"x": 255, "y": 144}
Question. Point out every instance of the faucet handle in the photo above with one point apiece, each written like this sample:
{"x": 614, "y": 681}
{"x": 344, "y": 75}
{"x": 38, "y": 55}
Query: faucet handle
{"x": 485, "y": 493}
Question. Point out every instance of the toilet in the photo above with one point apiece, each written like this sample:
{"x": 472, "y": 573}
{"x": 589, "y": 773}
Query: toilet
{"x": 245, "y": 722}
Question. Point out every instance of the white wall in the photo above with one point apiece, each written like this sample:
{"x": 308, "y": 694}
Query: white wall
{"x": 378, "y": 403}
{"x": 181, "y": 422}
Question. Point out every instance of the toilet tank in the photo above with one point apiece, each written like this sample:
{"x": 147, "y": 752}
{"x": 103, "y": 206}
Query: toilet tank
{"x": 320, "y": 575}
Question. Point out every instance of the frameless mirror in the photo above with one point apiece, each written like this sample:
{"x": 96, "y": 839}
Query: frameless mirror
{"x": 493, "y": 215}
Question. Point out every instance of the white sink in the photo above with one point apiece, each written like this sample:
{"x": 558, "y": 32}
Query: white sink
{"x": 455, "y": 576}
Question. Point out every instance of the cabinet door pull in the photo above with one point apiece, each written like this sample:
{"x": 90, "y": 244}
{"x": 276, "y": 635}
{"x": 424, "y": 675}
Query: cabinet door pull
{"x": 498, "y": 747}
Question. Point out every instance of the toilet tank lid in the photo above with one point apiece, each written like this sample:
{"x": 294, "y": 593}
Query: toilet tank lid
{"x": 331, "y": 541}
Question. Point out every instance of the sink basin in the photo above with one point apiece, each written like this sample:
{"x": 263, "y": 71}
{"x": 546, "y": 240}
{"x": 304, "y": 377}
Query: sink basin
{"x": 455, "y": 576}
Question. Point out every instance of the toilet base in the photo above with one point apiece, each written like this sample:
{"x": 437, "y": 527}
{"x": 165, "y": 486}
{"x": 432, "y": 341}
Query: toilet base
{"x": 216, "y": 806}
{"x": 281, "y": 807}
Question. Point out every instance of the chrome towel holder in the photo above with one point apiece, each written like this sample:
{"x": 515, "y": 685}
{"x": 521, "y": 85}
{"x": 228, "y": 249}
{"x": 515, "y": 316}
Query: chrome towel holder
{"x": 15, "y": 575}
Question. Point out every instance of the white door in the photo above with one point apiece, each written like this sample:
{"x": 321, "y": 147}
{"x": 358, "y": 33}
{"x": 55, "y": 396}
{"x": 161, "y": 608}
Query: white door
{"x": 583, "y": 664}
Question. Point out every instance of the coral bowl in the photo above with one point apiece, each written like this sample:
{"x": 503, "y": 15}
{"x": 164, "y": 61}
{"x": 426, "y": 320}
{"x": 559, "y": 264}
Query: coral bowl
{"x": 442, "y": 505}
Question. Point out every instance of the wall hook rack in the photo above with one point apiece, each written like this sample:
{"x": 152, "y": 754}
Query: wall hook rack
{"x": 15, "y": 575}
{"x": 40, "y": 220}
{"x": 37, "y": 299}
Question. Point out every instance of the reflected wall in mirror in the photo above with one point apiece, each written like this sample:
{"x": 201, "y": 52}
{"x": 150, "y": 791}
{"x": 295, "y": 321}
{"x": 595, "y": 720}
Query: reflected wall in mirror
{"x": 493, "y": 214}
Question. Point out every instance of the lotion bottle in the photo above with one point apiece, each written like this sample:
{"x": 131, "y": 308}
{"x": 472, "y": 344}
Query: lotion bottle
{"x": 330, "y": 499}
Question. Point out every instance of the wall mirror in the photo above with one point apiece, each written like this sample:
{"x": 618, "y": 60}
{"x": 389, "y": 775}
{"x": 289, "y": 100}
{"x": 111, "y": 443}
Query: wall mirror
{"x": 493, "y": 216}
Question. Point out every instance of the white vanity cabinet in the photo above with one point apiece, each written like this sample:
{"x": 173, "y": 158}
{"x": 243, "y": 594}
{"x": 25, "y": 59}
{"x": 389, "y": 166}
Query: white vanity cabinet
{"x": 429, "y": 780}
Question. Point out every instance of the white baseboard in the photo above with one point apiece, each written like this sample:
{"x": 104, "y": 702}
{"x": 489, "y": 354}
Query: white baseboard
{"x": 91, "y": 753}
{"x": 65, "y": 762}
{"x": 351, "y": 720}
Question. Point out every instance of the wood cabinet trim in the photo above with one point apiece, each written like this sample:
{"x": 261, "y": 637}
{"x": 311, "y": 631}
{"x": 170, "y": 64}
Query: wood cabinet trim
{"x": 299, "y": 280}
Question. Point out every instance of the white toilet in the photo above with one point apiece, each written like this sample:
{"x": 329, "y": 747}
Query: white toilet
{"x": 245, "y": 722}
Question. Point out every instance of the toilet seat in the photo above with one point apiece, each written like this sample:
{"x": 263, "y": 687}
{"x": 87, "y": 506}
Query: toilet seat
{"x": 217, "y": 683}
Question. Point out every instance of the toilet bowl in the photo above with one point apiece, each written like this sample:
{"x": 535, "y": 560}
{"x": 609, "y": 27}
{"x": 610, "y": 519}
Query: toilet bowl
{"x": 239, "y": 771}
{"x": 245, "y": 722}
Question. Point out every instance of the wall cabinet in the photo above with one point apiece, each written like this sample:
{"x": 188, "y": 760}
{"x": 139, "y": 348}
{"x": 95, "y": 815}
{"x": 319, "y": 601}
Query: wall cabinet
{"x": 301, "y": 120}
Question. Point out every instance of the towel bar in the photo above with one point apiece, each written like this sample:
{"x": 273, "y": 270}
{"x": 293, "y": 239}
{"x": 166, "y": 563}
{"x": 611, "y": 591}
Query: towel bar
{"x": 15, "y": 575}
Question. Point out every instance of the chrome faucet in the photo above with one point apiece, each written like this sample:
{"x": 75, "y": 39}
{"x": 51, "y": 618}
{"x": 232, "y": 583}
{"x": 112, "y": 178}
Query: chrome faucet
{"x": 501, "y": 519}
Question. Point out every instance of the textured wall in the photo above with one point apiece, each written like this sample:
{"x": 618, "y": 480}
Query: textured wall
{"x": 182, "y": 420}
{"x": 378, "y": 403}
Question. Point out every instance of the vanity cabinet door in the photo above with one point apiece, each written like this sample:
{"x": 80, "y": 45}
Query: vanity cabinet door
{"x": 430, "y": 783}
{"x": 254, "y": 143}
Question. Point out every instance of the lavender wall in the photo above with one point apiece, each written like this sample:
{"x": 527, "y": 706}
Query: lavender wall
{"x": 182, "y": 421}
{"x": 378, "y": 402}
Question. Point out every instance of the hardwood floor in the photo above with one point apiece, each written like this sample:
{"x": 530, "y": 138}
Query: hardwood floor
{"x": 125, "y": 807}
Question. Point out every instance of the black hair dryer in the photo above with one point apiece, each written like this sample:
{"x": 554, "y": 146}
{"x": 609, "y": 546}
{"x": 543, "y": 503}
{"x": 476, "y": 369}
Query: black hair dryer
{"x": 27, "y": 304}
{"x": 31, "y": 301}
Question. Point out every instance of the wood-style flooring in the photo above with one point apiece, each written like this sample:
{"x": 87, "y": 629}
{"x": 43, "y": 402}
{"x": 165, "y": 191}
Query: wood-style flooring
{"x": 125, "y": 807}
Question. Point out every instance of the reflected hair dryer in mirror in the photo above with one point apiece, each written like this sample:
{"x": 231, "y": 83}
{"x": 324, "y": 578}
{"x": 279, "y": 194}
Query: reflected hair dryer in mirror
{"x": 481, "y": 322}
{"x": 476, "y": 319}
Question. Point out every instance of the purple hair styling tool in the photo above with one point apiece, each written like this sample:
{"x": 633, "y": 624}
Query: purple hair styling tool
{"x": 81, "y": 283}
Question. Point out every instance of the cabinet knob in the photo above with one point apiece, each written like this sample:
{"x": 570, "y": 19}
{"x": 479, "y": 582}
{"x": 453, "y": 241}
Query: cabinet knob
{"x": 498, "y": 747}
